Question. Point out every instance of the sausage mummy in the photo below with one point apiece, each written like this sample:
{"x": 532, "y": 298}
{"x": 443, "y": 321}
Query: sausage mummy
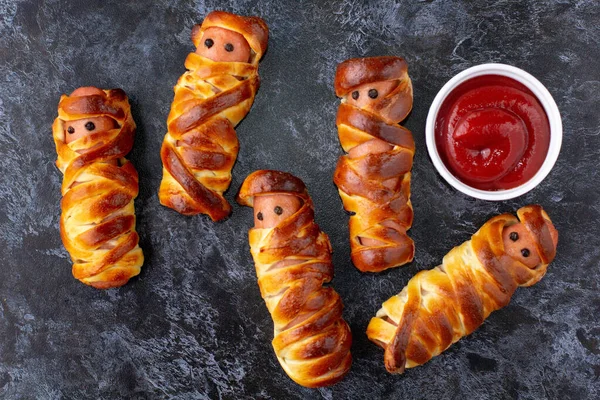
{"x": 440, "y": 306}
{"x": 292, "y": 257}
{"x": 373, "y": 178}
{"x": 211, "y": 98}
{"x": 94, "y": 130}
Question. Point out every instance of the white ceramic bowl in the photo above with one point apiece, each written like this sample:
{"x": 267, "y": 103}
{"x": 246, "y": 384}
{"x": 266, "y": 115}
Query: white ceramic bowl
{"x": 538, "y": 90}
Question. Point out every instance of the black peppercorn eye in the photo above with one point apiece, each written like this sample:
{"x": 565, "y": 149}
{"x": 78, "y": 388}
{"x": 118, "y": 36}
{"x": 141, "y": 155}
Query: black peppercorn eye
{"x": 259, "y": 216}
{"x": 229, "y": 47}
{"x": 525, "y": 252}
{"x": 514, "y": 236}
{"x": 373, "y": 93}
{"x": 278, "y": 210}
{"x": 71, "y": 130}
{"x": 209, "y": 43}
{"x": 355, "y": 95}
{"x": 90, "y": 126}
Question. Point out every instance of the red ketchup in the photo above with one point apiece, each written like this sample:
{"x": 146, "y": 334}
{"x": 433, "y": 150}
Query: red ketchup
{"x": 492, "y": 133}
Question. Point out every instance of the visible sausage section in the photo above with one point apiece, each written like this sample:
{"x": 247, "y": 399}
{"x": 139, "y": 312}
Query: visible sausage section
{"x": 369, "y": 93}
{"x": 373, "y": 146}
{"x": 223, "y": 45}
{"x": 82, "y": 127}
{"x": 79, "y": 128}
{"x": 271, "y": 209}
{"x": 519, "y": 244}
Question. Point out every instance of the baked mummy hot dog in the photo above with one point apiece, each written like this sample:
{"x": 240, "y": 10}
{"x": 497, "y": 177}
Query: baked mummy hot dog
{"x": 211, "y": 98}
{"x": 440, "y": 306}
{"x": 292, "y": 257}
{"x": 93, "y": 132}
{"x": 374, "y": 177}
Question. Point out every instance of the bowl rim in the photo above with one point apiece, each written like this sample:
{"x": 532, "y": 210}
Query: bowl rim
{"x": 544, "y": 97}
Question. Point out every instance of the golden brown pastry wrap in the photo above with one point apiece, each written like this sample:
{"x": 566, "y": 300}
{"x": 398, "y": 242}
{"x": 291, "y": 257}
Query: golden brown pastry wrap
{"x": 292, "y": 257}
{"x": 93, "y": 132}
{"x": 440, "y": 306}
{"x": 211, "y": 98}
{"x": 374, "y": 177}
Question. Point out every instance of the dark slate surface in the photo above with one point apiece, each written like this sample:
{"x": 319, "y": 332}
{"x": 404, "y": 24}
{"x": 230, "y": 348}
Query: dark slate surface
{"x": 193, "y": 325}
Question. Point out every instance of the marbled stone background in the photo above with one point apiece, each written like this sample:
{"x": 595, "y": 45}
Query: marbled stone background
{"x": 193, "y": 325}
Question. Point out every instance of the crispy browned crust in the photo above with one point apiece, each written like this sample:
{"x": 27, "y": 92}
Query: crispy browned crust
{"x": 270, "y": 182}
{"x": 379, "y": 212}
{"x": 253, "y": 29}
{"x": 312, "y": 341}
{"x": 201, "y": 146}
{"x": 105, "y": 200}
{"x": 358, "y": 71}
{"x": 440, "y": 306}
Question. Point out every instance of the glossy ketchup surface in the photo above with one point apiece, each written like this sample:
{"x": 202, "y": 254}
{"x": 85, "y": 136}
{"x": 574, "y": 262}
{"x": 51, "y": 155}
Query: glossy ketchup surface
{"x": 492, "y": 133}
